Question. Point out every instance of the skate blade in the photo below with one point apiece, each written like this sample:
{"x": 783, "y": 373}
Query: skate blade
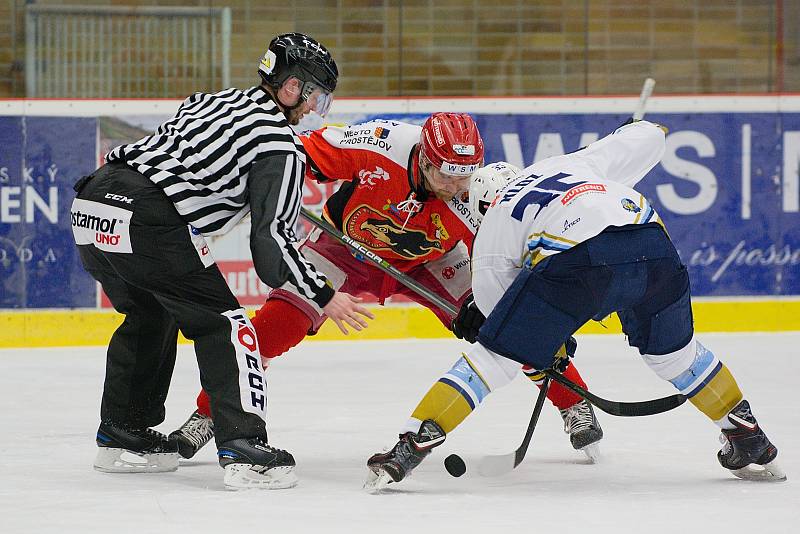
{"x": 769, "y": 472}
{"x": 247, "y": 476}
{"x": 114, "y": 460}
{"x": 377, "y": 481}
{"x": 592, "y": 452}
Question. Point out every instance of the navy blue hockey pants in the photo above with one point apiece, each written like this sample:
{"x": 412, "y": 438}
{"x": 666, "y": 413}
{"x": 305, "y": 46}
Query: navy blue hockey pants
{"x": 633, "y": 270}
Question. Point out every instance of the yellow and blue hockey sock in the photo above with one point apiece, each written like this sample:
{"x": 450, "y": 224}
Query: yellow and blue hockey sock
{"x": 705, "y": 380}
{"x": 451, "y": 399}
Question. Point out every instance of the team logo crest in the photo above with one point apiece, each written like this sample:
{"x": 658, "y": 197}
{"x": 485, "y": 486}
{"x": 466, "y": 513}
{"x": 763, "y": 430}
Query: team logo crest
{"x": 370, "y": 178}
{"x": 448, "y": 273}
{"x": 381, "y": 132}
{"x": 379, "y": 232}
{"x": 630, "y": 205}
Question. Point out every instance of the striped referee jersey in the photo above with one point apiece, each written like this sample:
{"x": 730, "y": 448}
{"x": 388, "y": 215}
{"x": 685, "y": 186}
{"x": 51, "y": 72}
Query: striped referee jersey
{"x": 228, "y": 154}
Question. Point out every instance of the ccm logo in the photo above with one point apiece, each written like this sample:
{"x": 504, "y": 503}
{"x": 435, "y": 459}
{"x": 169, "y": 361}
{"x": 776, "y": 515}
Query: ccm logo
{"x": 119, "y": 198}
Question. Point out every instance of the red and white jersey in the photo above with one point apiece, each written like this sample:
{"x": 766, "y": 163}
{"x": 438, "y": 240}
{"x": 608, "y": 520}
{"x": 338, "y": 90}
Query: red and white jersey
{"x": 382, "y": 203}
{"x": 561, "y": 201}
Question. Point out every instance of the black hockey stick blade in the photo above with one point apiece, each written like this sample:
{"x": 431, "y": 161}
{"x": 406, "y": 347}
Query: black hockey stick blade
{"x": 621, "y": 409}
{"x": 500, "y": 464}
{"x": 519, "y": 454}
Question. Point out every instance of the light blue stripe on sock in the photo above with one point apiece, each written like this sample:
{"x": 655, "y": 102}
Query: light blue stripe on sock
{"x": 467, "y": 374}
{"x": 702, "y": 363}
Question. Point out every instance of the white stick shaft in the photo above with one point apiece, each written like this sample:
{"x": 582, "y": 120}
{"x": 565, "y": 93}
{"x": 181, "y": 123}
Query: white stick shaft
{"x": 647, "y": 90}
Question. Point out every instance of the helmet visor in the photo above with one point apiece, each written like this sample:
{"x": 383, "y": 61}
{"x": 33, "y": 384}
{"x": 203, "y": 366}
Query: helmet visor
{"x": 318, "y": 99}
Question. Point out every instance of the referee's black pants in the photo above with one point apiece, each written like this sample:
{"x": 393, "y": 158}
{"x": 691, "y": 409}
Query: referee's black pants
{"x": 161, "y": 285}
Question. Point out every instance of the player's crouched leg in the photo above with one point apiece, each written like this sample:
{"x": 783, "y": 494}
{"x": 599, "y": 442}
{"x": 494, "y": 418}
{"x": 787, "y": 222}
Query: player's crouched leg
{"x": 709, "y": 385}
{"x": 279, "y": 326}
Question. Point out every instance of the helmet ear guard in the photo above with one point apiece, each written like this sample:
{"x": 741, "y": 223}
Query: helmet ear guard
{"x": 486, "y": 184}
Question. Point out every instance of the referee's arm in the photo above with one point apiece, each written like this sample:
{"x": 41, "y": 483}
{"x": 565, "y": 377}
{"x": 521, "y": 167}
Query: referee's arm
{"x": 276, "y": 190}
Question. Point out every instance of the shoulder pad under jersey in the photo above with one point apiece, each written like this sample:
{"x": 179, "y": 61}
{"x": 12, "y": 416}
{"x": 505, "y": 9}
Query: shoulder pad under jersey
{"x": 391, "y": 139}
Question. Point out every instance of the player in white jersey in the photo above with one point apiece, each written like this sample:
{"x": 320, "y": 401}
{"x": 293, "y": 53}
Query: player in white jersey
{"x": 566, "y": 241}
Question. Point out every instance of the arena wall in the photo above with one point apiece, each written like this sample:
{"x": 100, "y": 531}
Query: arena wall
{"x": 728, "y": 190}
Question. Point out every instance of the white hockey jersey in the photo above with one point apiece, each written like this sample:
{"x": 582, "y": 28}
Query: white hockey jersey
{"x": 561, "y": 201}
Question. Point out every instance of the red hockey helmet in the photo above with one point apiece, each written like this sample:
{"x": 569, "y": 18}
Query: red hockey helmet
{"x": 452, "y": 144}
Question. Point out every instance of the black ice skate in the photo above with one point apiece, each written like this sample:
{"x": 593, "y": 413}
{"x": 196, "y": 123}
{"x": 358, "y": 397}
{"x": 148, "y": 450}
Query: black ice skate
{"x": 123, "y": 449}
{"x": 252, "y": 463}
{"x": 746, "y": 446}
{"x": 583, "y": 428}
{"x": 393, "y": 466}
{"x": 193, "y": 434}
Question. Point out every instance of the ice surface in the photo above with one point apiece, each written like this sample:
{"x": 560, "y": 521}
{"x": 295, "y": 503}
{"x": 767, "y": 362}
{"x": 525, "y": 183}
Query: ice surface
{"x": 333, "y": 404}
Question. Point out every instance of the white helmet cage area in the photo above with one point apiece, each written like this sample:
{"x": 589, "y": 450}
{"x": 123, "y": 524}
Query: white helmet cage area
{"x": 487, "y": 182}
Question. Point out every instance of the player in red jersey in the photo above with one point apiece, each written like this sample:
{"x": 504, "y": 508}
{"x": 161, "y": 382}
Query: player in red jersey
{"x": 404, "y": 196}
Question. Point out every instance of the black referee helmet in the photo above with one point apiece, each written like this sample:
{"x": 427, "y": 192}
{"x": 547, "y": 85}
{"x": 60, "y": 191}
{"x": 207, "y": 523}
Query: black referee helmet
{"x": 296, "y": 54}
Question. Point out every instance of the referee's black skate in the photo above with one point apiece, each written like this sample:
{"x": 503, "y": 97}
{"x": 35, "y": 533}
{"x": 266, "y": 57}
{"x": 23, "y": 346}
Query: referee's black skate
{"x": 252, "y": 463}
{"x": 193, "y": 434}
{"x": 393, "y": 466}
{"x": 584, "y": 430}
{"x": 123, "y": 449}
{"x": 746, "y": 450}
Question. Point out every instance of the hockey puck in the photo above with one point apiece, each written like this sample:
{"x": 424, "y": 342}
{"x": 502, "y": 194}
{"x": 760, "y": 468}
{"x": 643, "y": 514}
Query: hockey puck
{"x": 455, "y": 465}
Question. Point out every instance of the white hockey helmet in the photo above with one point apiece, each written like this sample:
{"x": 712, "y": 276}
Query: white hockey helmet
{"x": 486, "y": 182}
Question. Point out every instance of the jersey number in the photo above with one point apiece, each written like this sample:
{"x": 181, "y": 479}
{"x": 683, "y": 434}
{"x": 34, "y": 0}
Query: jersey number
{"x": 554, "y": 188}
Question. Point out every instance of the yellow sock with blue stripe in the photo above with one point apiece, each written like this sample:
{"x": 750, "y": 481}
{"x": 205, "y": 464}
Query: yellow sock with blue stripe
{"x": 452, "y": 398}
{"x": 710, "y": 386}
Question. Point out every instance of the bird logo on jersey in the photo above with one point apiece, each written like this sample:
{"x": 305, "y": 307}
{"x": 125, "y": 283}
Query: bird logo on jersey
{"x": 379, "y": 232}
{"x": 630, "y": 205}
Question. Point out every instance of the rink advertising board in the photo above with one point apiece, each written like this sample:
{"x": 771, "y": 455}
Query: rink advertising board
{"x": 728, "y": 187}
{"x": 40, "y": 159}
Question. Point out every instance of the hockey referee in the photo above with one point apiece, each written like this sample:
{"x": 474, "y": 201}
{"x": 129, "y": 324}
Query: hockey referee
{"x": 139, "y": 223}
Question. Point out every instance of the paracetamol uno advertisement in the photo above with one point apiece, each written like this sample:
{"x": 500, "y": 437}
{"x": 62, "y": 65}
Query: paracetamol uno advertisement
{"x": 727, "y": 190}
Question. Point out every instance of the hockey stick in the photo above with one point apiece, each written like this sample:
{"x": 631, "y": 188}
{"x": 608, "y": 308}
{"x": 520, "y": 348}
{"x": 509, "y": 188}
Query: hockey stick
{"x": 619, "y": 409}
{"x": 500, "y": 464}
{"x": 647, "y": 90}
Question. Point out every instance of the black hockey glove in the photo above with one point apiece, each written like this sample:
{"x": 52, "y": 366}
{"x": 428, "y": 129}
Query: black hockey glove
{"x": 468, "y": 321}
{"x": 564, "y": 354}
